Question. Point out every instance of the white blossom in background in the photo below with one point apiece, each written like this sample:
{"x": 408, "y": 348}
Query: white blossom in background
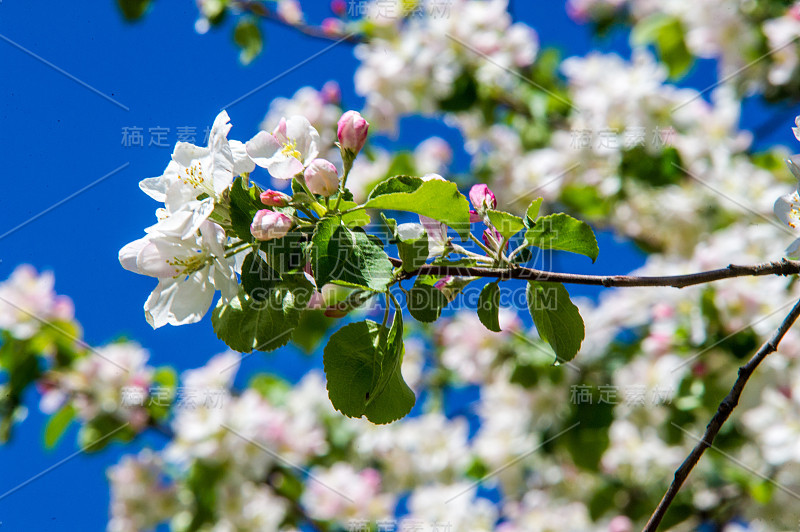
{"x": 140, "y": 499}
{"x": 111, "y": 380}
{"x": 342, "y": 493}
{"x": 27, "y": 301}
{"x": 456, "y": 505}
{"x": 469, "y": 349}
{"x": 412, "y": 65}
{"x": 537, "y": 511}
{"x": 423, "y": 449}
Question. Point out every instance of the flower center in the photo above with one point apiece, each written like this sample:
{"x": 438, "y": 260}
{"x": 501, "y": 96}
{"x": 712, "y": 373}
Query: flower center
{"x": 195, "y": 177}
{"x": 290, "y": 149}
{"x": 190, "y": 264}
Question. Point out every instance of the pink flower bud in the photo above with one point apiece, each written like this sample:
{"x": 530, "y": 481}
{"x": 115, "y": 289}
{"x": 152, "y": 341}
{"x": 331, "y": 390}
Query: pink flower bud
{"x": 352, "y": 131}
{"x": 492, "y": 238}
{"x": 268, "y": 225}
{"x": 482, "y": 198}
{"x": 322, "y": 178}
{"x": 339, "y": 7}
{"x": 273, "y": 198}
{"x": 331, "y": 93}
{"x": 332, "y": 27}
{"x": 474, "y": 217}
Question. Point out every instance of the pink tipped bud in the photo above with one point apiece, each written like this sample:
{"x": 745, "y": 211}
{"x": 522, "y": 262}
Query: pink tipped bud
{"x": 492, "y": 238}
{"x": 442, "y": 283}
{"x": 474, "y": 217}
{"x": 269, "y": 225}
{"x": 273, "y": 198}
{"x": 331, "y": 93}
{"x": 339, "y": 7}
{"x": 332, "y": 26}
{"x": 322, "y": 178}
{"x": 482, "y": 198}
{"x": 352, "y": 131}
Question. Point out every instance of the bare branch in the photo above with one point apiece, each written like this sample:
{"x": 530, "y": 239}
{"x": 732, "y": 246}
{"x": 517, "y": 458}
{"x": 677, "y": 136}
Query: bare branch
{"x": 784, "y": 267}
{"x": 723, "y": 412}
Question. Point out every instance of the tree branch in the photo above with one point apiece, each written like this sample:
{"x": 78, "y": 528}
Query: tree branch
{"x": 259, "y": 10}
{"x": 723, "y": 412}
{"x": 783, "y": 267}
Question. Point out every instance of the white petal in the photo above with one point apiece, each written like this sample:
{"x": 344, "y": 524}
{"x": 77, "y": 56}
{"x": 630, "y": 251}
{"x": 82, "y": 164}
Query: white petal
{"x": 410, "y": 231}
{"x": 284, "y": 167}
{"x": 787, "y": 209}
{"x": 261, "y": 148}
{"x": 156, "y": 187}
{"x": 792, "y": 250}
{"x": 220, "y": 129}
{"x": 179, "y": 302}
{"x": 184, "y": 153}
{"x": 128, "y": 255}
{"x": 242, "y": 163}
{"x": 185, "y": 222}
{"x": 305, "y": 135}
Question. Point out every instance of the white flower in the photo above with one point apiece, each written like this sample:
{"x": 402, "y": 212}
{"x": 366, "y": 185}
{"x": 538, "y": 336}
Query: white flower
{"x": 787, "y": 208}
{"x": 27, "y": 300}
{"x": 189, "y": 272}
{"x": 287, "y": 150}
{"x": 196, "y": 171}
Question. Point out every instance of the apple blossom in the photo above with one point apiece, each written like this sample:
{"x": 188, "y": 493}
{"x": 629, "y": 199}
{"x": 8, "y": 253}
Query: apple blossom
{"x": 273, "y": 198}
{"x": 482, "y": 198}
{"x": 287, "y": 150}
{"x": 27, "y": 300}
{"x": 352, "y": 132}
{"x": 269, "y": 225}
{"x": 322, "y": 177}
{"x": 189, "y": 272}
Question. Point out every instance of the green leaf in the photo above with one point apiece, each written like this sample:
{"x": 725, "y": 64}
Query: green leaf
{"x": 248, "y": 38}
{"x": 489, "y": 306}
{"x": 133, "y": 10}
{"x": 533, "y": 212}
{"x": 287, "y": 254}
{"x": 246, "y": 324}
{"x": 565, "y": 233}
{"x": 464, "y": 95}
{"x": 245, "y": 202}
{"x": 358, "y": 218}
{"x": 311, "y": 330}
{"x": 666, "y": 33}
{"x": 425, "y": 302}
{"x": 349, "y": 256}
{"x": 412, "y": 245}
{"x": 435, "y": 199}
{"x": 362, "y": 364}
{"x": 507, "y": 224}
{"x": 257, "y": 277}
{"x": 556, "y": 318}
{"x": 57, "y": 425}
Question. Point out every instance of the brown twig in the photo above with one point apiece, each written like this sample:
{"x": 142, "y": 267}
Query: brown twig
{"x": 784, "y": 267}
{"x": 723, "y": 412}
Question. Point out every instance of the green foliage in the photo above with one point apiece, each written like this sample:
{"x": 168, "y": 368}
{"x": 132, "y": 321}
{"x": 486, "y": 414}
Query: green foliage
{"x": 133, "y": 10}
{"x": 556, "y": 318}
{"x": 57, "y": 425}
{"x": 349, "y": 256}
{"x": 489, "y": 306}
{"x": 435, "y": 199}
{"x": 666, "y": 33}
{"x": 245, "y": 202}
{"x": 247, "y": 37}
{"x": 658, "y": 170}
{"x": 463, "y": 96}
{"x": 413, "y": 247}
{"x": 263, "y": 324}
{"x": 507, "y": 224}
{"x": 565, "y": 233}
{"x": 362, "y": 364}
{"x": 425, "y": 302}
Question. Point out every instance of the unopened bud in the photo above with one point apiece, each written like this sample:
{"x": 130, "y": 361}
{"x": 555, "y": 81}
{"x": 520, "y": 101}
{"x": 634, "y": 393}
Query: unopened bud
{"x": 322, "y": 178}
{"x": 273, "y": 198}
{"x": 352, "y": 131}
{"x": 269, "y": 225}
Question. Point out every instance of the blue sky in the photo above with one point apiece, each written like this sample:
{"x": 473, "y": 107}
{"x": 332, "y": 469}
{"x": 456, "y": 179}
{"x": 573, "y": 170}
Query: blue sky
{"x": 71, "y": 79}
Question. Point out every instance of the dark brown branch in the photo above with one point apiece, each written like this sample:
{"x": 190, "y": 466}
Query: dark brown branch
{"x": 723, "y": 412}
{"x": 784, "y": 267}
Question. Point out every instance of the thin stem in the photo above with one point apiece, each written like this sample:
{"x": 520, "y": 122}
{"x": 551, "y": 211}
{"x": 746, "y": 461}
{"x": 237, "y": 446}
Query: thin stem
{"x": 723, "y": 412}
{"x": 239, "y": 250}
{"x": 481, "y": 245}
{"x": 784, "y": 267}
{"x": 347, "y": 168}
